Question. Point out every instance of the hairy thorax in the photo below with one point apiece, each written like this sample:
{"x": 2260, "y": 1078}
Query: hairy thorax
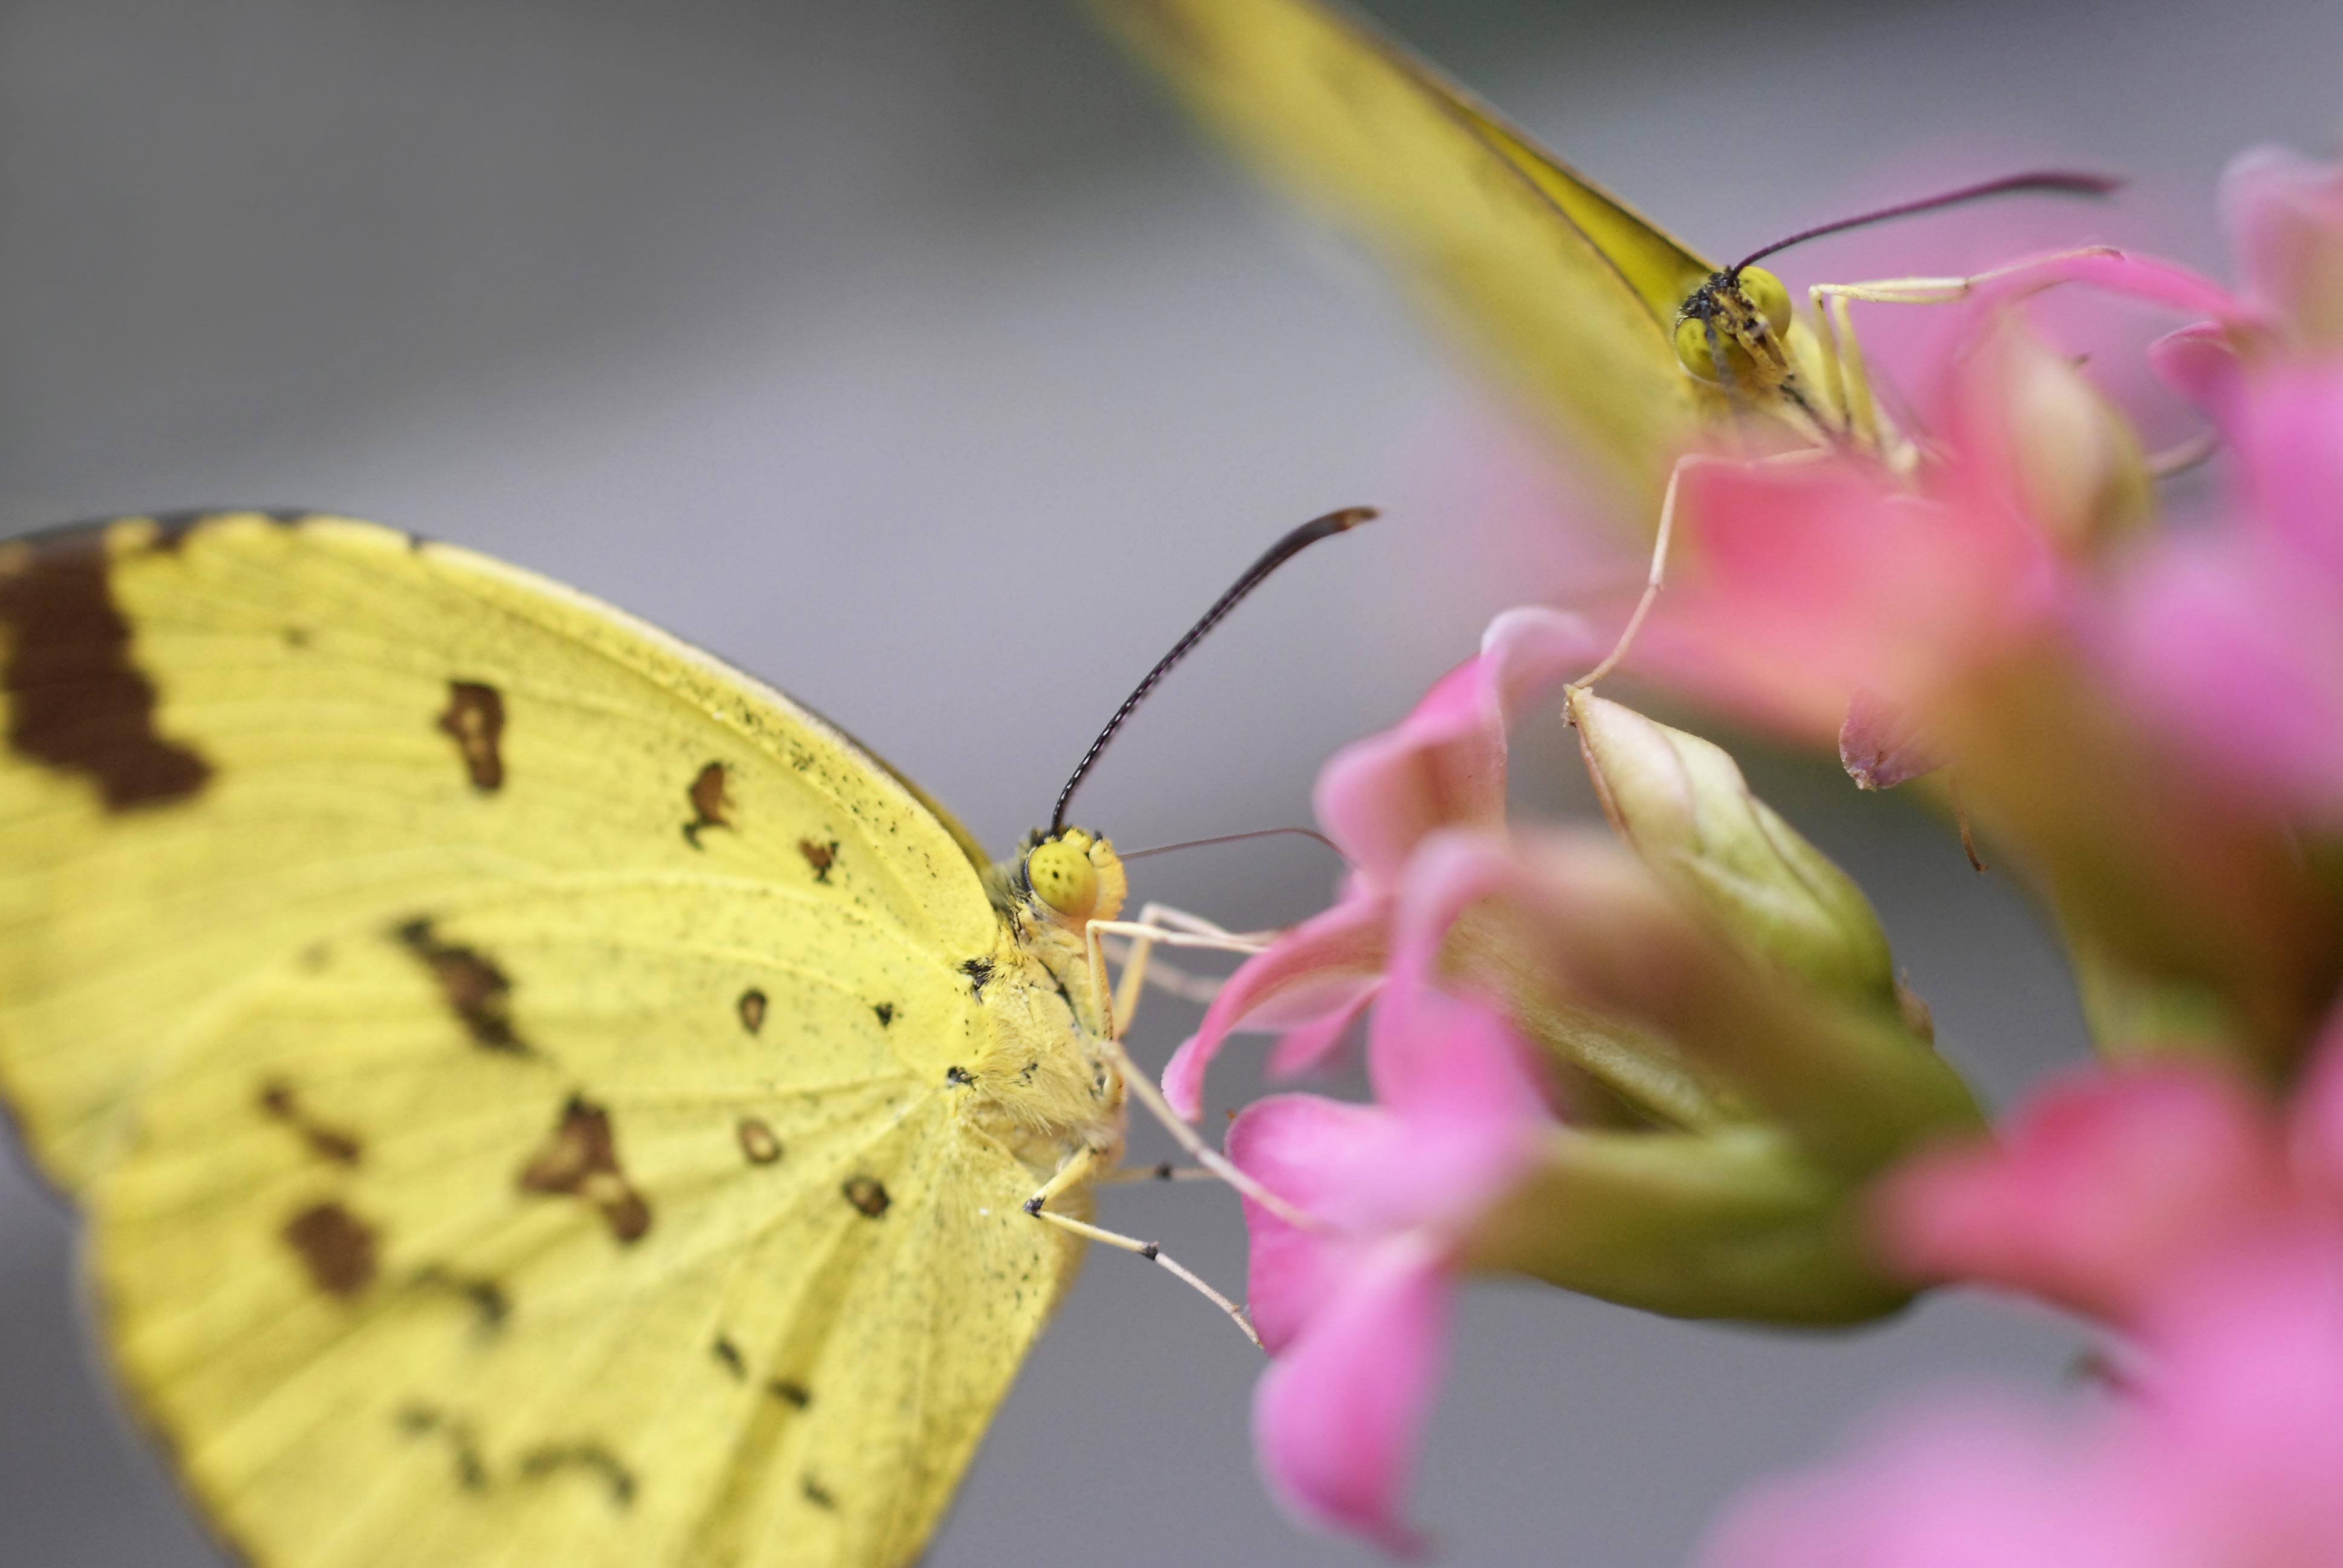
{"x": 1044, "y": 1087}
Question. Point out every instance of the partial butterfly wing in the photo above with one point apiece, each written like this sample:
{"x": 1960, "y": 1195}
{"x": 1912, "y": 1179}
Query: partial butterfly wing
{"x": 1558, "y": 285}
{"x": 506, "y": 1057}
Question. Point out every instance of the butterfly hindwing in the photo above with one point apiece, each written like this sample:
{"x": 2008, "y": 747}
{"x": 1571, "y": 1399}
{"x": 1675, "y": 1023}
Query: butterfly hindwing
{"x": 507, "y": 1059}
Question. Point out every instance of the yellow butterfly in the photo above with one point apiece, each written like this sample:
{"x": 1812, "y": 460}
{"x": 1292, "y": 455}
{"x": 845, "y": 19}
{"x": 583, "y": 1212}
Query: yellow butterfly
{"x": 540, "y": 1096}
{"x": 1618, "y": 336}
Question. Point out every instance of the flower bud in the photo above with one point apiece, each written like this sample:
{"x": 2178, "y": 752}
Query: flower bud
{"x": 2070, "y": 458}
{"x": 1682, "y": 805}
{"x": 1734, "y": 1224}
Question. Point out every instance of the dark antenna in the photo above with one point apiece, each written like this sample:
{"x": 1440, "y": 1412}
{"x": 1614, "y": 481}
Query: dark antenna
{"x": 1284, "y": 551}
{"x": 2054, "y": 182}
{"x": 1228, "y": 838}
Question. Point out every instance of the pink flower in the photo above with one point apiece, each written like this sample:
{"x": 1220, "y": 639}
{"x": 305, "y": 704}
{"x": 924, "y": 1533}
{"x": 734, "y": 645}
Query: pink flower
{"x": 1441, "y": 766}
{"x": 2221, "y": 1450}
{"x": 2286, "y": 223}
{"x": 2175, "y": 1203}
{"x": 2239, "y": 635}
{"x": 1356, "y": 1309}
{"x": 2101, "y": 1190}
{"x": 2139, "y": 722}
{"x": 2115, "y": 1191}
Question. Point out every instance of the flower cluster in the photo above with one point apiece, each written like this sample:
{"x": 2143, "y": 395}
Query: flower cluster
{"x": 1674, "y": 1066}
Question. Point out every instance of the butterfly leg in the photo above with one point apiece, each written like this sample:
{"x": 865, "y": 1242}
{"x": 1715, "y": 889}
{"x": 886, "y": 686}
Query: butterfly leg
{"x": 1083, "y": 1166}
{"x": 1142, "y": 1084}
{"x": 1160, "y": 976}
{"x": 1652, "y": 580}
{"x": 1849, "y": 383}
{"x": 1127, "y": 1175}
{"x": 1138, "y": 969}
{"x": 1662, "y": 538}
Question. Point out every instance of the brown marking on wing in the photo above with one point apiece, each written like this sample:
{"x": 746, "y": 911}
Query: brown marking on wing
{"x": 76, "y": 703}
{"x": 886, "y": 1011}
{"x": 463, "y": 1442}
{"x": 554, "y": 1458}
{"x": 729, "y": 1354}
{"x": 757, "y": 1142}
{"x": 790, "y": 1392}
{"x": 581, "y": 1160}
{"x": 708, "y": 803}
{"x": 818, "y": 1495}
{"x": 487, "y": 1297}
{"x": 821, "y": 857}
{"x": 751, "y": 1007}
{"x": 476, "y": 988}
{"x": 336, "y": 1246}
{"x": 866, "y": 1193}
{"x": 475, "y": 721}
{"x": 278, "y": 1102}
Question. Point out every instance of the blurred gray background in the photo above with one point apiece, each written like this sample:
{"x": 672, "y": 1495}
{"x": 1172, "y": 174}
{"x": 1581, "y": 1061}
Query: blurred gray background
{"x": 934, "y": 302}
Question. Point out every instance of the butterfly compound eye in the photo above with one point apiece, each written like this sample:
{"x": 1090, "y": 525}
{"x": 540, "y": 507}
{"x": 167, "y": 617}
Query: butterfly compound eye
{"x": 1697, "y": 353}
{"x": 1063, "y": 877}
{"x": 1764, "y": 290}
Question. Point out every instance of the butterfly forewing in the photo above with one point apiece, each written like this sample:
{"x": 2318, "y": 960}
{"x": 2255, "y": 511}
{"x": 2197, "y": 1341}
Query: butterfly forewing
{"x": 1560, "y": 286}
{"x": 507, "y": 1059}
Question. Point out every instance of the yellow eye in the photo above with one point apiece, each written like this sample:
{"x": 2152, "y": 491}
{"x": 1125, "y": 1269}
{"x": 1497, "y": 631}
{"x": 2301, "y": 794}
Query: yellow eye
{"x": 1063, "y": 877}
{"x": 1694, "y": 352}
{"x": 1763, "y": 290}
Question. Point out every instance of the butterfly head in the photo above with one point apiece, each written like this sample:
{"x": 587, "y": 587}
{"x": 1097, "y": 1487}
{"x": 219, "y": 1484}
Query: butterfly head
{"x": 1072, "y": 877}
{"x": 1735, "y": 329}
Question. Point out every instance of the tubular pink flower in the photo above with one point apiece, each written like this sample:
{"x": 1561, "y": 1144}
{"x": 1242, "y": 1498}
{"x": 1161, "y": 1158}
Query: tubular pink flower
{"x": 2113, "y": 1192}
{"x": 2175, "y": 1203}
{"x": 1441, "y": 766}
{"x": 1336, "y": 1420}
{"x": 1355, "y": 1309}
{"x": 1816, "y": 581}
{"x": 2220, "y": 1449}
{"x": 2239, "y": 638}
{"x": 2099, "y": 1191}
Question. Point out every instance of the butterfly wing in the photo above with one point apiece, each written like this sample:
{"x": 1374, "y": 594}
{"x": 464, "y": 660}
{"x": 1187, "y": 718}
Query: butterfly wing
{"x": 504, "y": 1054}
{"x": 1556, "y": 283}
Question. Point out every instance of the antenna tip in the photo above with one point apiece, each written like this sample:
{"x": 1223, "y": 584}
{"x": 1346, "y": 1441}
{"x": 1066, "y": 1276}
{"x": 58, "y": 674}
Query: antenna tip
{"x": 1349, "y": 518}
{"x": 2083, "y": 183}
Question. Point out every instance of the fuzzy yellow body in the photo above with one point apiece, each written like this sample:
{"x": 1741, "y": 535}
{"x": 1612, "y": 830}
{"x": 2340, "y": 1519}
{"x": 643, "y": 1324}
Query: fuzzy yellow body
{"x": 539, "y": 1095}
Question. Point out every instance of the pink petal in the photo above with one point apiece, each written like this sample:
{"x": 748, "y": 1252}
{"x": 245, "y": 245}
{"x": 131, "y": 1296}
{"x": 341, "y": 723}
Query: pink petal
{"x": 1313, "y": 1045}
{"x": 2103, "y": 1190}
{"x": 1881, "y": 746}
{"x": 1309, "y": 1151}
{"x": 1320, "y": 968}
{"x": 2201, "y": 363}
{"x": 2291, "y": 441}
{"x": 1337, "y": 1419}
{"x": 2318, "y": 1120}
{"x": 2286, "y": 223}
{"x": 2242, "y": 659}
{"x": 1444, "y": 763}
{"x": 2144, "y": 278}
{"x": 2244, "y": 1412}
{"x": 1530, "y": 648}
{"x": 1441, "y": 1060}
{"x": 1808, "y": 583}
{"x": 1959, "y": 1486}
